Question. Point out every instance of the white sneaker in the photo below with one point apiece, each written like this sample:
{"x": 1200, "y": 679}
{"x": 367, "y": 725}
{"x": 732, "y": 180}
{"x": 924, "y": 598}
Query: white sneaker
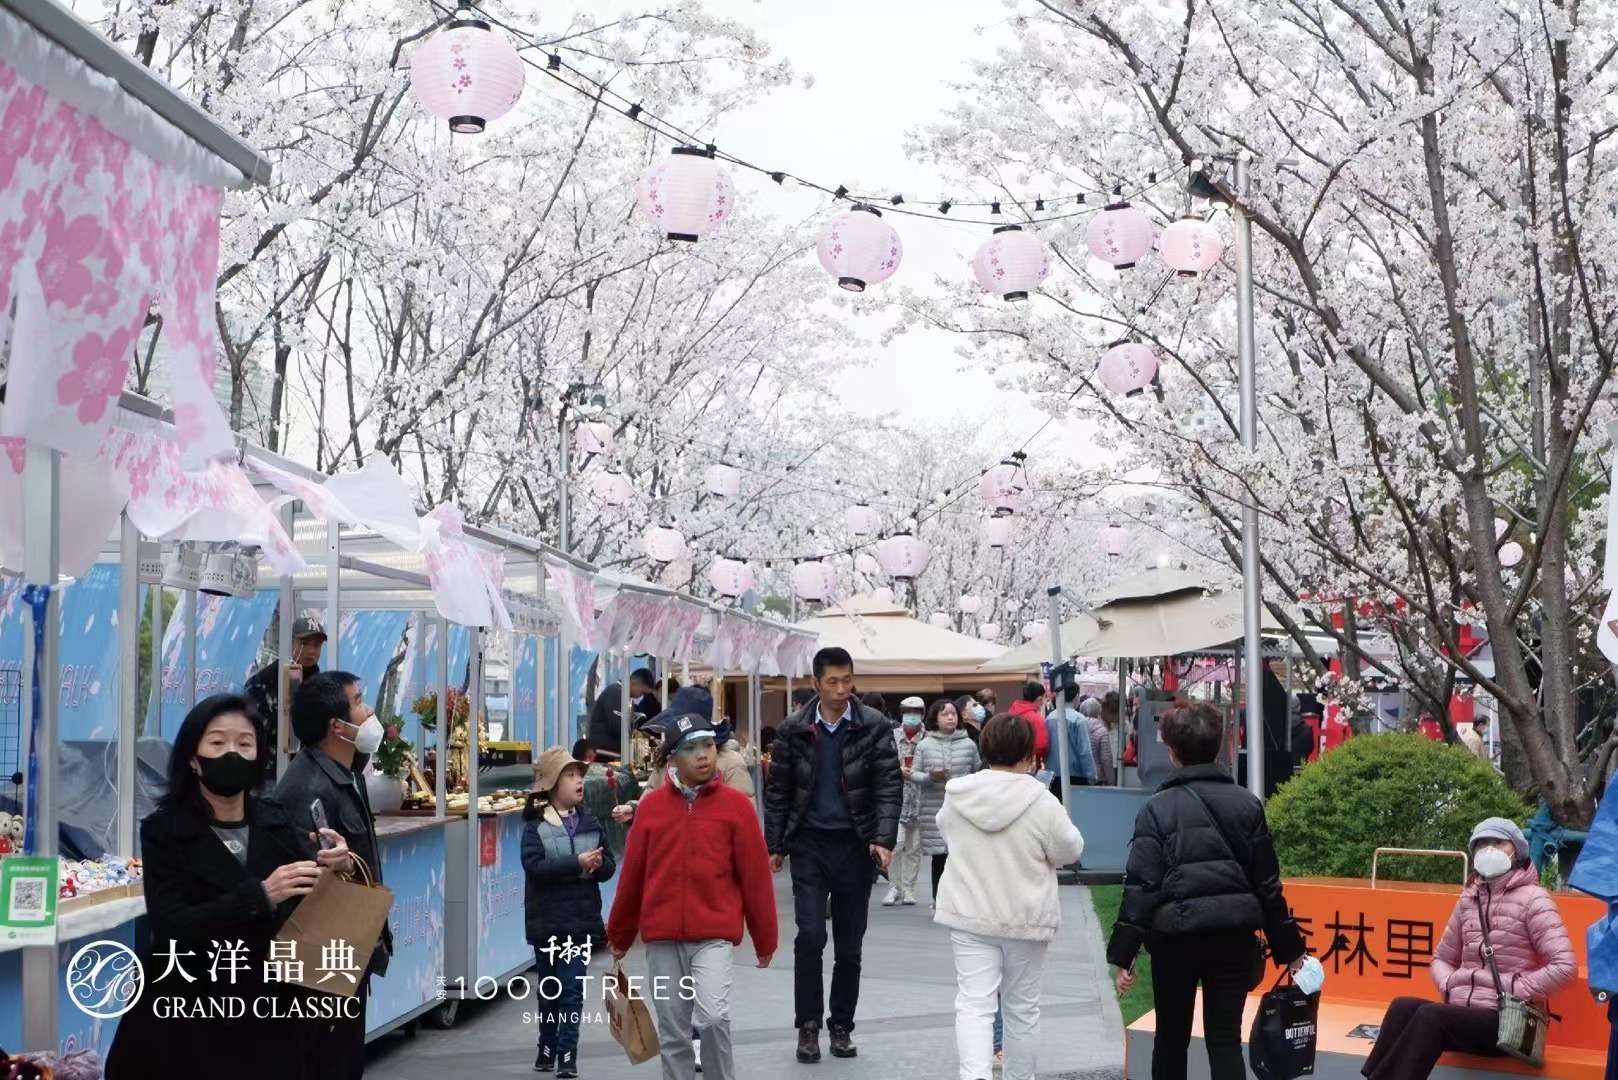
{"x": 696, "y": 1046}
{"x": 908, "y": 901}
{"x": 891, "y": 899}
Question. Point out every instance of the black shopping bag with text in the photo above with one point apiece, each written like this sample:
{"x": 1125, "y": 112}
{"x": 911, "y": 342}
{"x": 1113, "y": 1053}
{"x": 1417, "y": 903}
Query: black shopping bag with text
{"x": 1281, "y": 1043}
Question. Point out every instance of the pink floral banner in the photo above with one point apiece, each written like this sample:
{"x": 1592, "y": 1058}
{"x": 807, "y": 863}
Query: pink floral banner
{"x": 576, "y": 596}
{"x": 465, "y": 590}
{"x": 90, "y": 229}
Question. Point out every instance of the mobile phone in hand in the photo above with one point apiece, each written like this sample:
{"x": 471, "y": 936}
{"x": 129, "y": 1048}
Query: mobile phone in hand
{"x": 317, "y": 814}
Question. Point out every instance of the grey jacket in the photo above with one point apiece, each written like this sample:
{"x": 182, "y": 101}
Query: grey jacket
{"x": 957, "y": 754}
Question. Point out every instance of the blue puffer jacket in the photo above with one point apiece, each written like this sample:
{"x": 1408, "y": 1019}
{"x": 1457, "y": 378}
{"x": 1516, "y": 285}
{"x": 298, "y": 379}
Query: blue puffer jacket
{"x": 559, "y": 900}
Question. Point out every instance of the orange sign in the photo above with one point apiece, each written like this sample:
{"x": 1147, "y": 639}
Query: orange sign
{"x": 1378, "y": 944}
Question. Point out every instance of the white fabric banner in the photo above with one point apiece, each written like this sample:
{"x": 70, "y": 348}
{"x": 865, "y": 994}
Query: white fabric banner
{"x": 575, "y": 591}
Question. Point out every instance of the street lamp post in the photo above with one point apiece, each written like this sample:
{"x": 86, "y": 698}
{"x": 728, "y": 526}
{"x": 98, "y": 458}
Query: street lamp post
{"x": 1247, "y": 369}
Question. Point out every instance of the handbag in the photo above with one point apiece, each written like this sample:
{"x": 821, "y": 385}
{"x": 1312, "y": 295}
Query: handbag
{"x": 1261, "y": 951}
{"x": 1281, "y": 1041}
{"x": 1523, "y": 1028}
{"x": 333, "y": 932}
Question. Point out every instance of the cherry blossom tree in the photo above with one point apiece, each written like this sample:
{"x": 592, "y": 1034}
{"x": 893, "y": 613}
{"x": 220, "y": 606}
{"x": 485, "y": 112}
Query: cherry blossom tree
{"x": 1432, "y": 204}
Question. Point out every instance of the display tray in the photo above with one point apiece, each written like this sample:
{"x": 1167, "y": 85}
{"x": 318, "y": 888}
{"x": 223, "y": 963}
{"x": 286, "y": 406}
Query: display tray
{"x": 427, "y": 811}
{"x": 86, "y": 901}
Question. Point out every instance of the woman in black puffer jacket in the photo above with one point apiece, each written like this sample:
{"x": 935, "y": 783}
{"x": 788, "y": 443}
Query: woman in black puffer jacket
{"x": 1202, "y": 878}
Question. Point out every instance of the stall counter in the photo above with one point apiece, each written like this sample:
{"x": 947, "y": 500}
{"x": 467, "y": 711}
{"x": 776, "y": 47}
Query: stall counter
{"x": 412, "y": 854}
{"x": 486, "y": 942}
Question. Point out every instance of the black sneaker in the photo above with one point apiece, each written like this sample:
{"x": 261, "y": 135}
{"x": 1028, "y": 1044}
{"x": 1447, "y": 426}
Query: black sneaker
{"x": 546, "y": 1061}
{"x": 842, "y": 1043}
{"x": 567, "y": 1064}
{"x": 809, "y": 1044}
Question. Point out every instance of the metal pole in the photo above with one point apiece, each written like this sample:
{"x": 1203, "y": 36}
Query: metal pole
{"x": 1120, "y": 738}
{"x": 334, "y": 577}
{"x": 128, "y": 679}
{"x": 41, "y": 489}
{"x": 626, "y": 708}
{"x": 540, "y": 710}
{"x": 474, "y": 826}
{"x": 441, "y": 736}
{"x": 1247, "y": 363}
{"x": 159, "y": 663}
{"x": 564, "y": 467}
{"x": 286, "y": 614}
{"x": 1065, "y": 753}
{"x": 418, "y": 637}
{"x": 192, "y": 601}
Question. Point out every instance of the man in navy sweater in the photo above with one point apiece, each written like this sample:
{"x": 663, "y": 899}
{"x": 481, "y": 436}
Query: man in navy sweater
{"x": 831, "y": 802}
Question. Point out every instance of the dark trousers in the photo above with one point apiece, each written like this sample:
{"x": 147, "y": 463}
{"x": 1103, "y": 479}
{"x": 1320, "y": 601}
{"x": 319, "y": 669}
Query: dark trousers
{"x": 1415, "y": 1033}
{"x": 1222, "y": 964}
{"x": 337, "y": 1048}
{"x": 938, "y": 872}
{"x": 558, "y": 997}
{"x": 834, "y": 868}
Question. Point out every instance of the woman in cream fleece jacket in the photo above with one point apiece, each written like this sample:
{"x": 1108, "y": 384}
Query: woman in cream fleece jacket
{"x": 1007, "y": 836}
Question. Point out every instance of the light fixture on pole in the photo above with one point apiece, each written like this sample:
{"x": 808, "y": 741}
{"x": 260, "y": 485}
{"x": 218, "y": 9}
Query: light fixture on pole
{"x": 1247, "y": 369}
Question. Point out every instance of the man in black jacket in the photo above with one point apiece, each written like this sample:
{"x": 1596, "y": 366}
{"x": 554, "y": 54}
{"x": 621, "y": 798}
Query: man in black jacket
{"x": 1201, "y": 880}
{"x": 831, "y": 802}
{"x": 263, "y": 687}
{"x": 339, "y": 734}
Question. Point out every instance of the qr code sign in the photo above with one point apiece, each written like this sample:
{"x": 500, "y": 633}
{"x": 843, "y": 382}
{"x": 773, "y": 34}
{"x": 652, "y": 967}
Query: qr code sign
{"x": 27, "y": 900}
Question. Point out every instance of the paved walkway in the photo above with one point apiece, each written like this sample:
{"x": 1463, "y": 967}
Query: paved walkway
{"x": 906, "y": 1015}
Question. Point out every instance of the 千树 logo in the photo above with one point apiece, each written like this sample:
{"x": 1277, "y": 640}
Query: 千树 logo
{"x": 105, "y": 979}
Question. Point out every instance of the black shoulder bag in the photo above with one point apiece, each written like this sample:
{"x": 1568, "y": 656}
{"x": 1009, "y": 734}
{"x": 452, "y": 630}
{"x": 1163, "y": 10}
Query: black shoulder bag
{"x": 1522, "y": 1028}
{"x": 1261, "y": 951}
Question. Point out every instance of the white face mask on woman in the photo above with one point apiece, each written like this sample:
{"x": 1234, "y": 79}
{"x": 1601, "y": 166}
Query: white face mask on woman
{"x": 1490, "y": 863}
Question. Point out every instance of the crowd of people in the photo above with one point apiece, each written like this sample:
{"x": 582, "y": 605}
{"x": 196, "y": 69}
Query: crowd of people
{"x": 849, "y": 798}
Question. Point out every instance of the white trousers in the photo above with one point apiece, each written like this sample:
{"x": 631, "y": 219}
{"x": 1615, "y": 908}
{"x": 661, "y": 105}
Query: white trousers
{"x": 708, "y": 964}
{"x": 906, "y": 864}
{"x": 988, "y": 969}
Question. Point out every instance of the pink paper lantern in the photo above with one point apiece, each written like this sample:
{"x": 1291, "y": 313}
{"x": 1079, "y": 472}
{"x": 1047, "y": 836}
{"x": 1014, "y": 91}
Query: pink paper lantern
{"x": 1114, "y": 540}
{"x": 1190, "y": 246}
{"x": 1500, "y": 528}
{"x": 989, "y": 631}
{"x": 969, "y": 604}
{"x": 939, "y": 619}
{"x": 1005, "y": 487}
{"x": 1033, "y": 630}
{"x": 903, "y": 557}
{"x": 812, "y": 580}
{"x": 867, "y": 565}
{"x": 467, "y": 74}
{"x": 1119, "y": 236}
{"x": 884, "y": 595}
{"x": 1511, "y": 553}
{"x": 862, "y": 520}
{"x": 1128, "y": 368}
{"x": 592, "y": 437}
{"x": 997, "y": 531}
{"x": 613, "y": 488}
{"x": 723, "y": 480}
{"x": 730, "y": 577}
{"x": 664, "y": 544}
{"x": 859, "y": 249}
{"x": 686, "y": 194}
{"x": 1011, "y": 264}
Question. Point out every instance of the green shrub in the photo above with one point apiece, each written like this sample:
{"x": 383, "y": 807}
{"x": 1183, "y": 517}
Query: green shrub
{"x": 1393, "y": 790}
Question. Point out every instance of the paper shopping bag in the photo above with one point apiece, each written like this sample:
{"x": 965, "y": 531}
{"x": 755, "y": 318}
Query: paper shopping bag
{"x": 327, "y": 941}
{"x": 629, "y": 1018}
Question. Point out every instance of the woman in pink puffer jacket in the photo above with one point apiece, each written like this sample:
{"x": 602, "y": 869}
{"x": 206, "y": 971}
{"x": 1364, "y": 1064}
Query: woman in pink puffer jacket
{"x": 1532, "y": 953}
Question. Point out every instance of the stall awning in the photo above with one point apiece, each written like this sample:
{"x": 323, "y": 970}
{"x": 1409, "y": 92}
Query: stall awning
{"x": 885, "y": 639}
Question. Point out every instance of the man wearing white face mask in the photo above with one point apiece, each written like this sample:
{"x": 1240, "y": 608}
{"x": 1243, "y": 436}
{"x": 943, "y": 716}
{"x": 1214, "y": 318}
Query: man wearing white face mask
{"x": 339, "y": 735}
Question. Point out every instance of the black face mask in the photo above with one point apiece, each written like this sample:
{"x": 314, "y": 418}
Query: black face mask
{"x": 228, "y": 774}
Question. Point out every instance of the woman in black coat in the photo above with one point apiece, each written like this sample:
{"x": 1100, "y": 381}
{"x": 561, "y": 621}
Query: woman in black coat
{"x": 1202, "y": 879}
{"x": 218, "y": 874}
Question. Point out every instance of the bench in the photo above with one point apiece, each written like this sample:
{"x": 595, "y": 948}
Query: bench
{"x": 1376, "y": 945}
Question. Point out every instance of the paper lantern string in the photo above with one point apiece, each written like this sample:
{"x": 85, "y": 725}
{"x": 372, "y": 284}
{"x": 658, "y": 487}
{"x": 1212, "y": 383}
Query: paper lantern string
{"x": 554, "y": 66}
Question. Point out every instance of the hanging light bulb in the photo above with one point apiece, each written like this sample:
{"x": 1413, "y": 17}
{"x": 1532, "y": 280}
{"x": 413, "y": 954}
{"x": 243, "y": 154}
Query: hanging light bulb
{"x": 730, "y": 577}
{"x": 687, "y": 194}
{"x": 1114, "y": 540}
{"x": 1011, "y": 264}
{"x": 467, "y": 74}
{"x": 969, "y": 604}
{"x": 859, "y": 249}
{"x": 613, "y": 488}
{"x": 664, "y": 544}
{"x": 1119, "y": 236}
{"x": 723, "y": 480}
{"x": 812, "y": 580}
{"x": 1190, "y": 246}
{"x": 1127, "y": 368}
{"x": 862, "y": 520}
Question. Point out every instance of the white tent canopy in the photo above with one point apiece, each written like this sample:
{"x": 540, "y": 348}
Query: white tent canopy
{"x": 885, "y": 639}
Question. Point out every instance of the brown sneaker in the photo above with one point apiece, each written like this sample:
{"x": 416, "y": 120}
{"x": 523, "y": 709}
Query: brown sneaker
{"x": 842, "y": 1043}
{"x": 809, "y": 1044}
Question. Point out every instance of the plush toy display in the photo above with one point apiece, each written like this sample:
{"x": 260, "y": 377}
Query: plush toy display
{"x": 10, "y": 833}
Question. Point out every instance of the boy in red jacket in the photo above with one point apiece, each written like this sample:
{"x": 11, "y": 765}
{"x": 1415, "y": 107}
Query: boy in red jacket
{"x": 694, "y": 869}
